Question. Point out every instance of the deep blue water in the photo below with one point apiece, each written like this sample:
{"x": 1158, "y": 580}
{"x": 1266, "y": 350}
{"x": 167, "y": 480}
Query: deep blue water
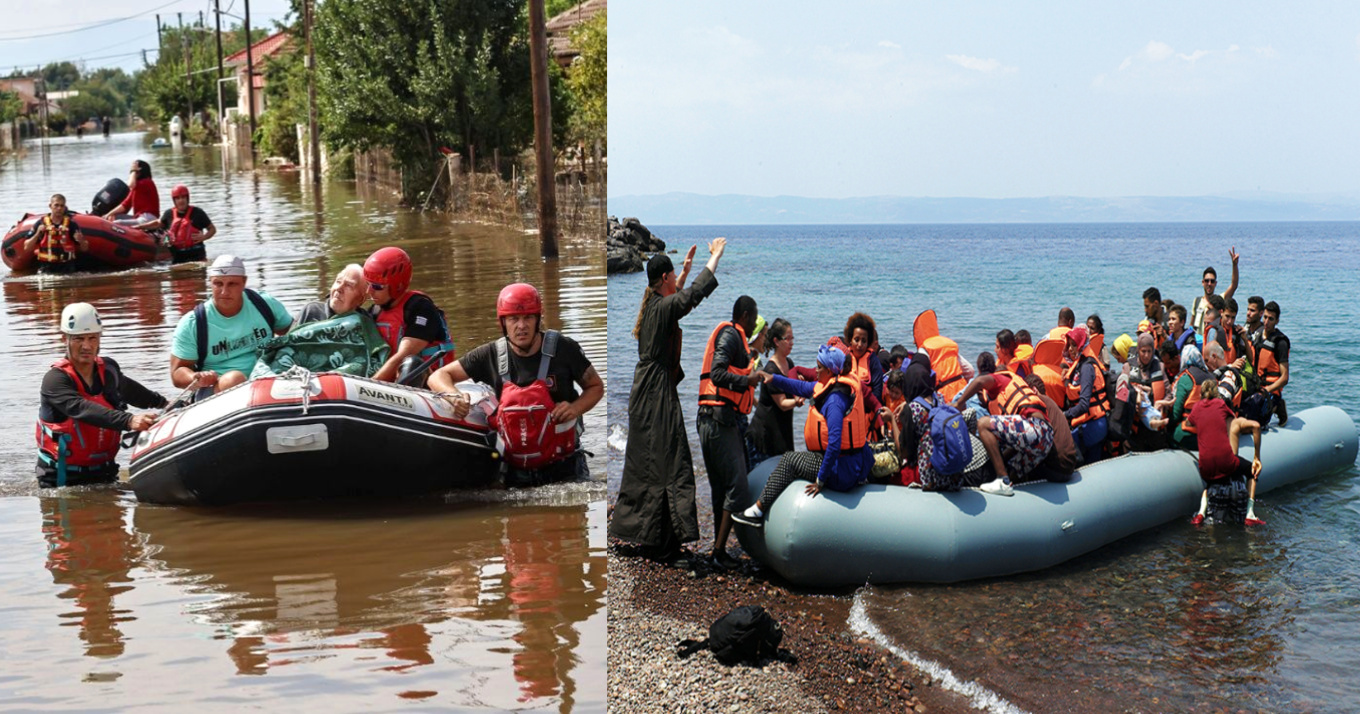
{"x": 1174, "y": 619}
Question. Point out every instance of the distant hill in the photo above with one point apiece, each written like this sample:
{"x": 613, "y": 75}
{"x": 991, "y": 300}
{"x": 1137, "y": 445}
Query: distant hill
{"x": 733, "y": 209}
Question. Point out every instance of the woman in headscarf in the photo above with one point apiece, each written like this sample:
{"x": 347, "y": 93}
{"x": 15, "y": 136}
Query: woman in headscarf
{"x": 913, "y": 433}
{"x": 656, "y": 507}
{"x": 836, "y": 420}
{"x": 1087, "y": 400}
{"x": 1193, "y": 372}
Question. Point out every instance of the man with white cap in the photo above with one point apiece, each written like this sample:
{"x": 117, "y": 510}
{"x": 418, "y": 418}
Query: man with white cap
{"x": 215, "y": 344}
{"x": 83, "y": 409}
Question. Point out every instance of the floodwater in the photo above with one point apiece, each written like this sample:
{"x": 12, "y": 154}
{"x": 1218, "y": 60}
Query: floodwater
{"x": 474, "y": 599}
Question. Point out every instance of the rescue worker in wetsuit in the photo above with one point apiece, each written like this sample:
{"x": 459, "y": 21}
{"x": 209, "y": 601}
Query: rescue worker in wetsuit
{"x": 83, "y": 409}
{"x": 188, "y": 227}
{"x": 527, "y": 356}
{"x": 407, "y": 319}
{"x": 56, "y": 239}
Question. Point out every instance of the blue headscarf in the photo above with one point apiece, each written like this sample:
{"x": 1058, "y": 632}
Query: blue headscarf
{"x": 1190, "y": 356}
{"x": 831, "y": 358}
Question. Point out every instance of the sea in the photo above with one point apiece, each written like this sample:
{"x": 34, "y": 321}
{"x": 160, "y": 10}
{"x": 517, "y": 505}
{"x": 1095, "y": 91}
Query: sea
{"x": 1176, "y": 618}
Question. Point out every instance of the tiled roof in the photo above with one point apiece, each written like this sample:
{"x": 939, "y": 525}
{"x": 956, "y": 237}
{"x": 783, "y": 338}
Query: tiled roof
{"x": 270, "y": 45}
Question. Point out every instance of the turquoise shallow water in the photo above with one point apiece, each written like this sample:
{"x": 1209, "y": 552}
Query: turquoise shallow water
{"x": 1174, "y": 619}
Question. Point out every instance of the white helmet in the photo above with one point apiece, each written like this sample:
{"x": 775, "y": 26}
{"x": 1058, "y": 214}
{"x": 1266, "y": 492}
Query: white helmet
{"x": 80, "y": 318}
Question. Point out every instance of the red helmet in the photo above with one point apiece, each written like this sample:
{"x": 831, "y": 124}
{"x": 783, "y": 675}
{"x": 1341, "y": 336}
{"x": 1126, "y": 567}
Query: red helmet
{"x": 389, "y": 267}
{"x": 519, "y": 299}
{"x": 179, "y": 190}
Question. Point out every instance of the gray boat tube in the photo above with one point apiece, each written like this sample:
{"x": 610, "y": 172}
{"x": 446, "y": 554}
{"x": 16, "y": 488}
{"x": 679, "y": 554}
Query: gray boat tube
{"x": 885, "y": 534}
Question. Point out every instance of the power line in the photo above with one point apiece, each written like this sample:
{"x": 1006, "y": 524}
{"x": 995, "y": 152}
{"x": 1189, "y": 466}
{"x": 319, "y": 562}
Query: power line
{"x": 138, "y": 38}
{"x": 102, "y": 23}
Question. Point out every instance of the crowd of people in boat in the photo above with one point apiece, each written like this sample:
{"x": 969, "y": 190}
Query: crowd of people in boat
{"x": 57, "y": 242}
{"x": 1188, "y": 377}
{"x": 542, "y": 377}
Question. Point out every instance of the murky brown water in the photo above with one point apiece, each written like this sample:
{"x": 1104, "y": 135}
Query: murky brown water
{"x": 473, "y": 599}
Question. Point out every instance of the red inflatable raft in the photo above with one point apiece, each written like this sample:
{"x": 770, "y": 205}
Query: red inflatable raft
{"x": 110, "y": 244}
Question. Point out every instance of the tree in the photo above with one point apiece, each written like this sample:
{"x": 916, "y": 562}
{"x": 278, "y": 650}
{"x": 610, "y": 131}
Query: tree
{"x": 162, "y": 89}
{"x": 59, "y": 76}
{"x": 285, "y": 91}
{"x": 589, "y": 79}
{"x": 427, "y": 74}
{"x": 10, "y": 106}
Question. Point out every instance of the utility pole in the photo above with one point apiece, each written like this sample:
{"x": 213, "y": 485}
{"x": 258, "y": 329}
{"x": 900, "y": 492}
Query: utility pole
{"x": 250, "y": 84}
{"x": 309, "y": 20}
{"x": 188, "y": 73}
{"x": 160, "y": 42}
{"x": 543, "y": 149}
{"x": 217, "y": 13}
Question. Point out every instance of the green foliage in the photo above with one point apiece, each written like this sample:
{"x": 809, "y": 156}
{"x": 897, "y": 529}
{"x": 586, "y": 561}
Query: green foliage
{"x": 553, "y": 8}
{"x": 415, "y": 76}
{"x": 286, "y": 98}
{"x": 589, "y": 79}
{"x": 10, "y": 106}
{"x": 105, "y": 92}
{"x": 59, "y": 76}
{"x": 57, "y": 123}
{"x": 163, "y": 90}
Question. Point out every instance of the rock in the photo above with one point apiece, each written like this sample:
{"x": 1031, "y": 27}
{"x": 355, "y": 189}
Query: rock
{"x": 631, "y": 232}
{"x": 623, "y": 260}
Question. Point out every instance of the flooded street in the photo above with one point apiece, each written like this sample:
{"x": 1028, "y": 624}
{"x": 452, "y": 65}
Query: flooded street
{"x": 464, "y": 600}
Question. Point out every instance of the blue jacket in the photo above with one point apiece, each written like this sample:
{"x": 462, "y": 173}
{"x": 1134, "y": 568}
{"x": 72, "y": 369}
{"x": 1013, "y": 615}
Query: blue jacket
{"x": 840, "y": 471}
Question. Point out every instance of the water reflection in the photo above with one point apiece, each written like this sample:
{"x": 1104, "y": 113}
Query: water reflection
{"x": 90, "y": 553}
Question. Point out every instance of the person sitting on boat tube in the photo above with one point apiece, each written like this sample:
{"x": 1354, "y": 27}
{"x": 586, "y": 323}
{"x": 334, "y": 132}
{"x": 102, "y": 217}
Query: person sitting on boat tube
{"x": 1022, "y": 434}
{"x": 188, "y": 227}
{"x": 143, "y": 202}
{"x": 83, "y": 408}
{"x": 407, "y": 319}
{"x": 542, "y": 368}
{"x": 1087, "y": 399}
{"x": 56, "y": 239}
{"x": 836, "y": 433}
{"x": 215, "y": 343}
{"x": 347, "y": 294}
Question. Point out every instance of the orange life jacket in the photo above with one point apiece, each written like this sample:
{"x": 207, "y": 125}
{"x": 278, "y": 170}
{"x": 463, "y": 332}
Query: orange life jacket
{"x": 391, "y": 323}
{"x": 1047, "y": 363}
{"x": 57, "y": 244}
{"x": 1268, "y": 369}
{"x": 1196, "y": 376}
{"x": 1058, "y": 332}
{"x": 1020, "y": 363}
{"x": 181, "y": 229}
{"x": 1100, "y": 399}
{"x": 943, "y": 353}
{"x": 1018, "y": 398}
{"x": 711, "y": 394}
{"x": 75, "y": 443}
{"x": 854, "y": 427}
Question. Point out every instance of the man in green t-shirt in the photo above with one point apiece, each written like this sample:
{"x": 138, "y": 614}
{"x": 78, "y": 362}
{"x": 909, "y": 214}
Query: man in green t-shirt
{"x": 215, "y": 344}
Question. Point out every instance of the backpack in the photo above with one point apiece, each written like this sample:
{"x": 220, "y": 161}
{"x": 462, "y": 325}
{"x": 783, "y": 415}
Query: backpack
{"x": 526, "y": 437}
{"x": 747, "y": 634}
{"x": 951, "y": 444}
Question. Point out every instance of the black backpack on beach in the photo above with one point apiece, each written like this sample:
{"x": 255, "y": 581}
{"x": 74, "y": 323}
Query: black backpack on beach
{"x": 745, "y": 635}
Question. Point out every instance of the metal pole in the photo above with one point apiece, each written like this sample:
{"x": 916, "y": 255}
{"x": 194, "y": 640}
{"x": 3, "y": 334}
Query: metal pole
{"x": 312, "y": 133}
{"x": 160, "y": 42}
{"x": 250, "y": 84}
{"x": 188, "y": 73}
{"x": 543, "y": 149}
{"x": 217, "y": 13}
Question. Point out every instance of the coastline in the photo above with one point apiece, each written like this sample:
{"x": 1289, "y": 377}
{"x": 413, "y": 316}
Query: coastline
{"x": 652, "y": 607}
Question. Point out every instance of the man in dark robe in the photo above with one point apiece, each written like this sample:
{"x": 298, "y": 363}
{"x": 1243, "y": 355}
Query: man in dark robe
{"x": 656, "y": 507}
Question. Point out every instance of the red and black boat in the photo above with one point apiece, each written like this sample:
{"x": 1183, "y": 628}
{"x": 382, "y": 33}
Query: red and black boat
{"x": 111, "y": 245}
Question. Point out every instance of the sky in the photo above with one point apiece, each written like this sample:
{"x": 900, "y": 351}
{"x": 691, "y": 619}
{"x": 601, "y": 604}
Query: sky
{"x": 82, "y": 31}
{"x": 984, "y": 99}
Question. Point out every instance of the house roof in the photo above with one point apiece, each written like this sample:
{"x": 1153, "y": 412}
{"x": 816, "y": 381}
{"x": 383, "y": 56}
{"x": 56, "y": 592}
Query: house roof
{"x": 267, "y": 47}
{"x": 559, "y": 28}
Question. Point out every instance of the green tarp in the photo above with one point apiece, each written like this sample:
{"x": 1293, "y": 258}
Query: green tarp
{"x": 347, "y": 343}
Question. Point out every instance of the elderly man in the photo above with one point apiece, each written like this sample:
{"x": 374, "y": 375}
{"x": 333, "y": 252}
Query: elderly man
{"x": 83, "y": 409}
{"x": 215, "y": 344}
{"x": 347, "y": 293}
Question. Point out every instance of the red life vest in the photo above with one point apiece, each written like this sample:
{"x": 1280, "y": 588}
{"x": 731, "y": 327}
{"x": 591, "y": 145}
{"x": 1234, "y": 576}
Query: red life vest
{"x": 854, "y": 426}
{"x": 712, "y": 395}
{"x": 527, "y": 438}
{"x": 75, "y": 443}
{"x": 391, "y": 322}
{"x": 181, "y": 229}
{"x": 57, "y": 245}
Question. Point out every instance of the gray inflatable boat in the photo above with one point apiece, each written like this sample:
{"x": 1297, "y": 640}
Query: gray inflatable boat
{"x": 885, "y": 534}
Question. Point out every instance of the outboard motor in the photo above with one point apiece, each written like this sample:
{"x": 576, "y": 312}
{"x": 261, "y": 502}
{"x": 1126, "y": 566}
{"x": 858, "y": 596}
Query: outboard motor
{"x": 109, "y": 197}
{"x": 413, "y": 372}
